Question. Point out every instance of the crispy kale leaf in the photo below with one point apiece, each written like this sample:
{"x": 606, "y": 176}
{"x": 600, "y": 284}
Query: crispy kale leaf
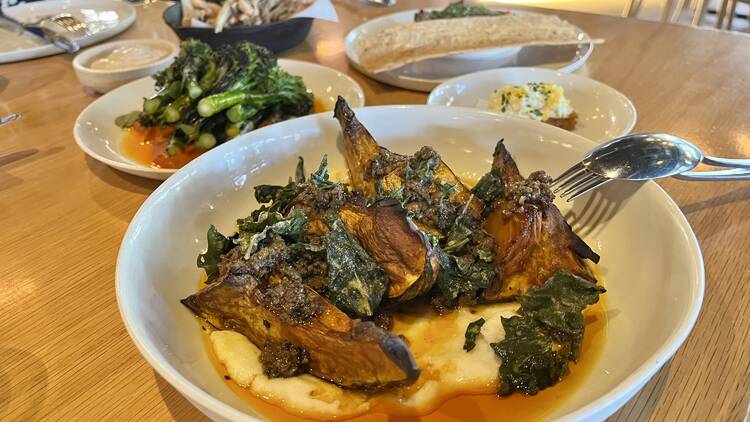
{"x": 218, "y": 245}
{"x": 464, "y": 273}
{"x": 540, "y": 342}
{"x": 357, "y": 284}
{"x": 558, "y": 306}
{"x": 320, "y": 177}
{"x": 281, "y": 196}
{"x": 254, "y": 230}
{"x": 489, "y": 187}
{"x": 464, "y": 266}
{"x": 472, "y": 331}
{"x": 456, "y": 10}
{"x": 529, "y": 361}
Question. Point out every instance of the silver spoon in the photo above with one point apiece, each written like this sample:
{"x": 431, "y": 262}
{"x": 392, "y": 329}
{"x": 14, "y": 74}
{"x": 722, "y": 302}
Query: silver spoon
{"x": 644, "y": 156}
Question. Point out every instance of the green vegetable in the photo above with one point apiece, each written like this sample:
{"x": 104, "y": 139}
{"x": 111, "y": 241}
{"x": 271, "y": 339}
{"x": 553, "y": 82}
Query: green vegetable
{"x": 189, "y": 65}
{"x": 232, "y": 129}
{"x": 206, "y": 140}
{"x": 281, "y": 196}
{"x": 558, "y": 305}
{"x": 222, "y": 93}
{"x": 127, "y": 120}
{"x": 472, "y": 331}
{"x": 458, "y": 236}
{"x": 456, "y": 10}
{"x": 529, "y": 361}
{"x": 463, "y": 274}
{"x": 174, "y": 110}
{"x": 239, "y": 113}
{"x": 218, "y": 245}
{"x": 151, "y": 105}
{"x": 254, "y": 230}
{"x": 320, "y": 177}
{"x": 356, "y": 283}
{"x": 209, "y": 106}
{"x": 464, "y": 267}
{"x": 426, "y": 167}
{"x": 489, "y": 187}
{"x": 539, "y": 343}
{"x": 194, "y": 90}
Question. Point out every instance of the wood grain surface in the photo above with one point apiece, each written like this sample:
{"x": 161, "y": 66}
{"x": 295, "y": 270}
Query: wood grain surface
{"x": 65, "y": 355}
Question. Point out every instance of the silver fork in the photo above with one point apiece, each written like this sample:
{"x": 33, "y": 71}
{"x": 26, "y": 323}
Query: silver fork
{"x": 644, "y": 156}
{"x": 576, "y": 181}
{"x": 70, "y": 23}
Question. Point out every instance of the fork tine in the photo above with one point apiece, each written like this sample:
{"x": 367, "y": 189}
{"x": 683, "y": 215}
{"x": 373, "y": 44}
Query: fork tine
{"x": 588, "y": 178}
{"x": 590, "y": 187}
{"x": 572, "y": 180}
{"x": 568, "y": 172}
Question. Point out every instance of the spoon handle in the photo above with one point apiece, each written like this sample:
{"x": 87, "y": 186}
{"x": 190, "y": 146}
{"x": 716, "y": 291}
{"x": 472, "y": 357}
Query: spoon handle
{"x": 727, "y": 162}
{"x": 735, "y": 174}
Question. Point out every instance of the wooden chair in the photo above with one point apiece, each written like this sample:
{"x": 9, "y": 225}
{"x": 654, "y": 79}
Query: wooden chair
{"x": 732, "y": 10}
{"x": 676, "y": 10}
{"x": 700, "y": 11}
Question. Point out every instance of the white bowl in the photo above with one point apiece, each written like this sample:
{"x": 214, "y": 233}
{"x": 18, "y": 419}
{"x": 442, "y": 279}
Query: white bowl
{"x": 97, "y": 135}
{"x": 105, "y": 80}
{"x": 651, "y": 261}
{"x": 603, "y": 112}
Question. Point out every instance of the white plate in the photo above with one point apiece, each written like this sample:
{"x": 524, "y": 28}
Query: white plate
{"x": 426, "y": 74}
{"x": 105, "y": 19}
{"x": 651, "y": 261}
{"x": 97, "y": 135}
{"x": 603, "y": 112}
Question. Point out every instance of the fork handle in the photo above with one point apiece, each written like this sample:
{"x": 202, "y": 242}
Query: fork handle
{"x": 734, "y": 174}
{"x": 727, "y": 162}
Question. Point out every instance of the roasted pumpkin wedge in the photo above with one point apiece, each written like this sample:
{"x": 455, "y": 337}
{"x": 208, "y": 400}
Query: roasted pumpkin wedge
{"x": 535, "y": 240}
{"x": 349, "y": 353}
{"x": 421, "y": 181}
{"x": 396, "y": 245}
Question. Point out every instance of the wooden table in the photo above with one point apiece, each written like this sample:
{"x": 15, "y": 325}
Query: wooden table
{"x": 65, "y": 355}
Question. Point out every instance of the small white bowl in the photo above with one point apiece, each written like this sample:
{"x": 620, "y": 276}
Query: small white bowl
{"x": 105, "y": 80}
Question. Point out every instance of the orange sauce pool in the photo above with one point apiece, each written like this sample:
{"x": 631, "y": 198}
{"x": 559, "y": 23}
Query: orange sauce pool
{"x": 148, "y": 146}
{"x": 475, "y": 408}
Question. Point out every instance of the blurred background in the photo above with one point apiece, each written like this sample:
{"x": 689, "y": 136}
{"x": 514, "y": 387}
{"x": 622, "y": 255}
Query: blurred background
{"x": 676, "y": 11}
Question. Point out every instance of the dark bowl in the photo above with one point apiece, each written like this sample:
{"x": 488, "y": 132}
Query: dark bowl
{"x": 277, "y": 36}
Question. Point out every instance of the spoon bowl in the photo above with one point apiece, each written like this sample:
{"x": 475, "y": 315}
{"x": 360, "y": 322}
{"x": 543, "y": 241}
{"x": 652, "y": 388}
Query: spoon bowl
{"x": 643, "y": 156}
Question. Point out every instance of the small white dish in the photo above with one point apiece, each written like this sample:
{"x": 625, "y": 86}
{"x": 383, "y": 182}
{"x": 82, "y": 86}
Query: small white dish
{"x": 651, "y": 262}
{"x": 104, "y": 19}
{"x": 603, "y": 112}
{"x": 427, "y": 74}
{"x": 105, "y": 80}
{"x": 97, "y": 135}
